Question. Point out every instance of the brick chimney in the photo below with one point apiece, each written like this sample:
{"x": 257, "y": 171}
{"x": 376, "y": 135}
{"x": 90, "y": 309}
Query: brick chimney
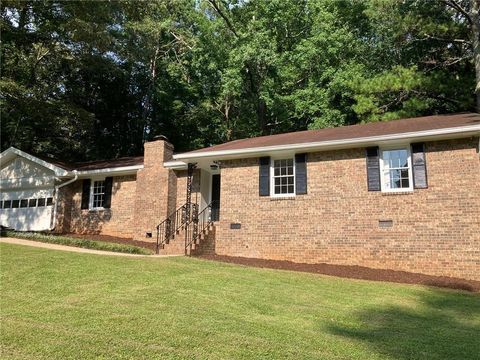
{"x": 156, "y": 189}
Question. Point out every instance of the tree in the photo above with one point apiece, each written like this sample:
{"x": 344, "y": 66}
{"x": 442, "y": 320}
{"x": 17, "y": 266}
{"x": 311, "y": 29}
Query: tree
{"x": 84, "y": 82}
{"x": 470, "y": 10}
{"x": 46, "y": 49}
{"x": 422, "y": 65}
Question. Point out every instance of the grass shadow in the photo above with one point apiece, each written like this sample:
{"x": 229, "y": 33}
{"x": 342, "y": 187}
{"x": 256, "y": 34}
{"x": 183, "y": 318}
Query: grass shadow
{"x": 436, "y": 325}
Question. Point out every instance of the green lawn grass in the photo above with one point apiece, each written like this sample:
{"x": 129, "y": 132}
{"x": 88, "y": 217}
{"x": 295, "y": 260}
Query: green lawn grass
{"x": 61, "y": 305}
{"x": 76, "y": 242}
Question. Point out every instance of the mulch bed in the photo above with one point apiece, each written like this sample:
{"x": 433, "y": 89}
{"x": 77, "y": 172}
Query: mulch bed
{"x": 114, "y": 239}
{"x": 354, "y": 272}
{"x": 345, "y": 271}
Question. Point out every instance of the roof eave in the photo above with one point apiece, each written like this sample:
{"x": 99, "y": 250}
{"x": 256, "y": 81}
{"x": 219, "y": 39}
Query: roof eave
{"x": 114, "y": 171}
{"x": 11, "y": 152}
{"x": 430, "y": 135}
{"x": 175, "y": 165}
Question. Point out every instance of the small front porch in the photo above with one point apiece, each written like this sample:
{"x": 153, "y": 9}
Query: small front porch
{"x": 190, "y": 228}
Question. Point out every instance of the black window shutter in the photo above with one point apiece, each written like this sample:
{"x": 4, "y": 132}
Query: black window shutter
{"x": 86, "y": 193}
{"x": 419, "y": 166}
{"x": 373, "y": 169}
{"x": 107, "y": 202}
{"x": 264, "y": 180}
{"x": 301, "y": 174}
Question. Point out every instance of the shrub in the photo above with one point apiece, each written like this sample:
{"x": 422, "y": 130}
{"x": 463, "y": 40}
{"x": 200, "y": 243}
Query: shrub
{"x": 82, "y": 243}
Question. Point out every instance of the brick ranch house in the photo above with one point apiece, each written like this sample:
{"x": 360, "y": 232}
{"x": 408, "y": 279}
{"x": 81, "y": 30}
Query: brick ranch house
{"x": 401, "y": 195}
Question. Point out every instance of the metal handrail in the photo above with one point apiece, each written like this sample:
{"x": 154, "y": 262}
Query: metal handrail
{"x": 200, "y": 221}
{"x": 205, "y": 217}
{"x": 167, "y": 229}
{"x": 190, "y": 219}
{"x": 191, "y": 232}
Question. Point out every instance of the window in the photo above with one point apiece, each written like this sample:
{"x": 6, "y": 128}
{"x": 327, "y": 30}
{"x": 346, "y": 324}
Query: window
{"x": 283, "y": 177}
{"x": 23, "y": 203}
{"x": 396, "y": 170}
{"x": 97, "y": 194}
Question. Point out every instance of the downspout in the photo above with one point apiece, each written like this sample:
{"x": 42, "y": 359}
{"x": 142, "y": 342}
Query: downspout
{"x": 55, "y": 203}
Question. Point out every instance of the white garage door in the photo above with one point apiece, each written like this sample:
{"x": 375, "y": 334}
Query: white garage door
{"x": 28, "y": 210}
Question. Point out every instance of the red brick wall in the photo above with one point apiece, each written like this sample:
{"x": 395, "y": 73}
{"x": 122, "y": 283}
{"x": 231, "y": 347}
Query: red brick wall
{"x": 435, "y": 231}
{"x": 116, "y": 221}
{"x": 156, "y": 186}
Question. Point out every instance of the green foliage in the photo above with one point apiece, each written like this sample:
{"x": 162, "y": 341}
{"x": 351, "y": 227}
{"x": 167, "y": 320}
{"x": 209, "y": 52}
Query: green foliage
{"x": 82, "y": 243}
{"x": 82, "y": 82}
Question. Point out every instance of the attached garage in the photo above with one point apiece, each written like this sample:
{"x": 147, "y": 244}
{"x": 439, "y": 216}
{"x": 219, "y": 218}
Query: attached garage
{"x": 27, "y": 188}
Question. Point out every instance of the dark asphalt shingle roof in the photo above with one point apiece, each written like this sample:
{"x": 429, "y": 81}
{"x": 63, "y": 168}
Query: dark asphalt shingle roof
{"x": 351, "y": 132}
{"x": 96, "y": 164}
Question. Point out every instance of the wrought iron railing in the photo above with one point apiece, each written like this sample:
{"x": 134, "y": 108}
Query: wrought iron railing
{"x": 188, "y": 219}
{"x": 167, "y": 229}
{"x": 199, "y": 224}
{"x": 205, "y": 218}
{"x": 191, "y": 228}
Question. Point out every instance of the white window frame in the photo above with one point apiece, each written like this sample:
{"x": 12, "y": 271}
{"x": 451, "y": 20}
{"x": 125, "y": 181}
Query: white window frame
{"x": 92, "y": 187}
{"x": 272, "y": 177}
{"x": 410, "y": 168}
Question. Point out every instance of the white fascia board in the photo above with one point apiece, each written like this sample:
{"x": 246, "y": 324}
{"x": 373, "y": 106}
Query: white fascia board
{"x": 117, "y": 171}
{"x": 175, "y": 165}
{"x": 431, "y": 135}
{"x": 11, "y": 152}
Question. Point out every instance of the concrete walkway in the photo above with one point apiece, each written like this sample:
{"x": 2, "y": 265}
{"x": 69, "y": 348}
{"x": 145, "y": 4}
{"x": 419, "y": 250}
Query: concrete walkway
{"x": 43, "y": 245}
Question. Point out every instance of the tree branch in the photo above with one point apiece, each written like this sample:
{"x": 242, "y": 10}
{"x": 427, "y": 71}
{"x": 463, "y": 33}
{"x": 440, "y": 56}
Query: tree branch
{"x": 430, "y": 37}
{"x": 223, "y": 16}
{"x": 456, "y": 6}
{"x": 179, "y": 39}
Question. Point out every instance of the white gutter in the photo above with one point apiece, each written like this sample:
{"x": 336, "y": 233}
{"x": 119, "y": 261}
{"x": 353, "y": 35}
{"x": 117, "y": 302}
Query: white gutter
{"x": 116, "y": 170}
{"x": 331, "y": 143}
{"x": 57, "y": 187}
{"x": 175, "y": 165}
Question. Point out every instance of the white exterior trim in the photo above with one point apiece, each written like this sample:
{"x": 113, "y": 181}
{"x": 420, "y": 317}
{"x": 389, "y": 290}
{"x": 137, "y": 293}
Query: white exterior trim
{"x": 410, "y": 168}
{"x": 175, "y": 165}
{"x": 116, "y": 171}
{"x": 11, "y": 152}
{"x": 436, "y": 134}
{"x": 272, "y": 177}
{"x": 91, "y": 195}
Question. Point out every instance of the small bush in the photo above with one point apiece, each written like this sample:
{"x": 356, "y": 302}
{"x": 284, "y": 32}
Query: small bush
{"x": 82, "y": 243}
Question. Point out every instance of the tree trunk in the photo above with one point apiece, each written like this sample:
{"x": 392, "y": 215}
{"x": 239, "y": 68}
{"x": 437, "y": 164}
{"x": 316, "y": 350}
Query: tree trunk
{"x": 475, "y": 17}
{"x": 262, "y": 116}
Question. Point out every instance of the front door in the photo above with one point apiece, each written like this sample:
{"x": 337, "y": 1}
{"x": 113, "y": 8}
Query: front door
{"x": 215, "y": 197}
